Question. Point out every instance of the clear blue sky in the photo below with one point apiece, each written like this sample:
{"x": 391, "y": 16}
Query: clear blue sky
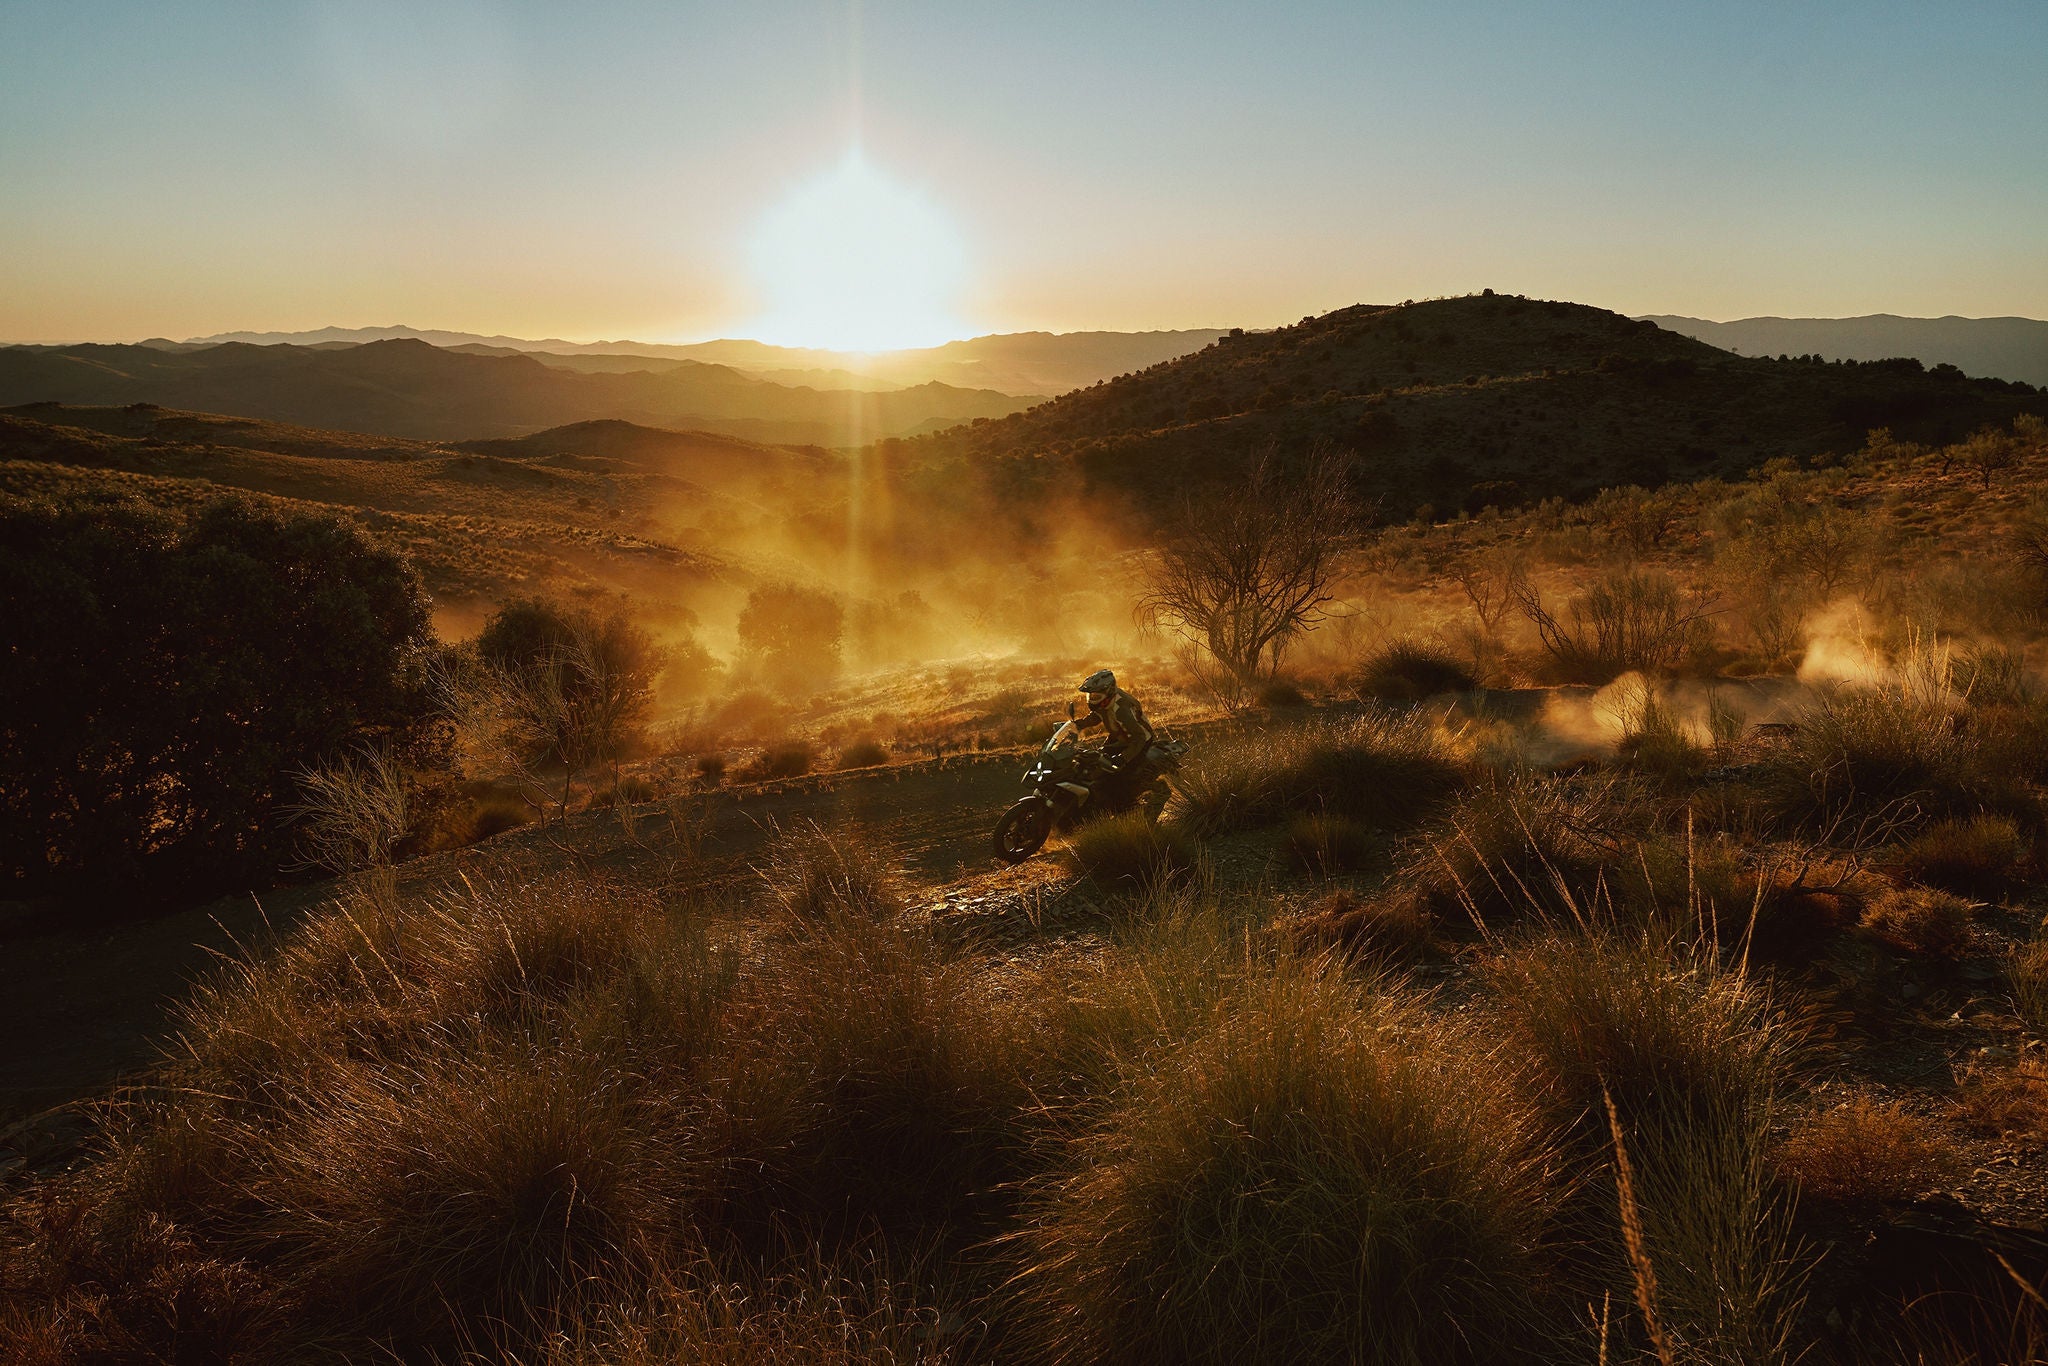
{"x": 600, "y": 170}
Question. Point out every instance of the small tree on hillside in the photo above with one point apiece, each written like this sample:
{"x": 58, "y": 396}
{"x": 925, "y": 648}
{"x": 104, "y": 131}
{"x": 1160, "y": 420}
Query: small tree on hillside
{"x": 794, "y": 634}
{"x": 1246, "y": 568}
{"x": 568, "y": 687}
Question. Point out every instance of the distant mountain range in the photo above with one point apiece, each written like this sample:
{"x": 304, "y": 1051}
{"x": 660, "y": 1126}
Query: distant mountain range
{"x": 409, "y": 388}
{"x": 1017, "y": 363}
{"x": 2008, "y": 348}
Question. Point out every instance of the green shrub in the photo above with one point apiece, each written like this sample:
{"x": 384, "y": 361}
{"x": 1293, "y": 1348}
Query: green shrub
{"x": 1319, "y": 1175}
{"x": 1132, "y": 848}
{"x": 1409, "y": 671}
{"x": 1386, "y": 769}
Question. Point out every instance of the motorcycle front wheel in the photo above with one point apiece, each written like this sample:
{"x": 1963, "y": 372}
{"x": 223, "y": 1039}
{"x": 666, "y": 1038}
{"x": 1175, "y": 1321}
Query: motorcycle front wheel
{"x": 1022, "y": 830}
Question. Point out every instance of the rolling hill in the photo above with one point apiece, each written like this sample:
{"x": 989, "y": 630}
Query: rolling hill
{"x": 409, "y": 388}
{"x": 1463, "y": 402}
{"x": 608, "y": 508}
{"x": 2009, "y": 348}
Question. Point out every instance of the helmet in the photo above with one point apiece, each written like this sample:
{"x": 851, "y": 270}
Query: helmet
{"x": 1101, "y": 681}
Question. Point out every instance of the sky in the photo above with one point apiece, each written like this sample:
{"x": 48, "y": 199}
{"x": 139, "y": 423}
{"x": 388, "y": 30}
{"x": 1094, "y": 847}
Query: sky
{"x": 679, "y": 171}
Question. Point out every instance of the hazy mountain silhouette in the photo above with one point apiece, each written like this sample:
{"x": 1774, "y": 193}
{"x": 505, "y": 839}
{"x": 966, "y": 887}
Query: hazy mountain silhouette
{"x": 1023, "y": 363}
{"x": 1462, "y": 402}
{"x": 2009, "y": 348}
{"x": 407, "y": 387}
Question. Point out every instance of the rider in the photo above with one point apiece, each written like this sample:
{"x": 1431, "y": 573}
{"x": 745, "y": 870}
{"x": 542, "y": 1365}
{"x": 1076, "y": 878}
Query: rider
{"x": 1129, "y": 735}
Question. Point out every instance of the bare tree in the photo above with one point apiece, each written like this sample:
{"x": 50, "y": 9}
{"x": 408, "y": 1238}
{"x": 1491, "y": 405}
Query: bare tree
{"x": 1630, "y": 619}
{"x": 575, "y": 702}
{"x": 1244, "y": 570}
{"x": 1490, "y": 580}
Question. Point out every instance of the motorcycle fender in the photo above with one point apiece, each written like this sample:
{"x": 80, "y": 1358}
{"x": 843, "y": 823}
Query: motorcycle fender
{"x": 1076, "y": 789}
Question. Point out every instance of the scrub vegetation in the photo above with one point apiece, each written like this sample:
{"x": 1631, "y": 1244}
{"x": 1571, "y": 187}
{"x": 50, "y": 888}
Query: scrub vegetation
{"x": 1600, "y": 930}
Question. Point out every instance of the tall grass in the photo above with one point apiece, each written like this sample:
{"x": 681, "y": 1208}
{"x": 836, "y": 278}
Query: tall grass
{"x": 1132, "y": 850}
{"x": 815, "y": 873}
{"x": 1323, "y": 1173}
{"x": 1518, "y": 846}
{"x": 1691, "y": 1060}
{"x": 1387, "y": 769}
{"x": 1904, "y": 750}
{"x": 415, "y": 1126}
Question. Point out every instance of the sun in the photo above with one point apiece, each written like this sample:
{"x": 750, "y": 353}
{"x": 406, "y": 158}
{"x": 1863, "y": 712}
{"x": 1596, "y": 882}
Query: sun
{"x": 853, "y": 261}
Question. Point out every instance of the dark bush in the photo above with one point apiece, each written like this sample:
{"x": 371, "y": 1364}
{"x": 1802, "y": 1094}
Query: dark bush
{"x": 1385, "y": 769}
{"x": 1981, "y": 856}
{"x": 1408, "y": 671}
{"x": 163, "y": 679}
{"x": 1325, "y": 844}
{"x": 581, "y": 680}
{"x": 863, "y": 754}
{"x": 1281, "y": 693}
{"x": 791, "y": 759}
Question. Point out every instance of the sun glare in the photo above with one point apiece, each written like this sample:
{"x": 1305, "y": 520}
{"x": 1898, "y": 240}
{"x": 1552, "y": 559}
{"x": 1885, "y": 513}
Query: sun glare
{"x": 853, "y": 261}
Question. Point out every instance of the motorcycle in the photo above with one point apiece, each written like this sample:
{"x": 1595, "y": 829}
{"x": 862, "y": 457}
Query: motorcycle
{"x": 1068, "y": 779}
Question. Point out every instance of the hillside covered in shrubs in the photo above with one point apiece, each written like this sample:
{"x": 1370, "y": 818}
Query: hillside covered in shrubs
{"x": 1467, "y": 402}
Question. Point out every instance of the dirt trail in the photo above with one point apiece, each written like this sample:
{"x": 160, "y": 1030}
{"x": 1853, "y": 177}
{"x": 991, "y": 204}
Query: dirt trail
{"x": 81, "y": 1009}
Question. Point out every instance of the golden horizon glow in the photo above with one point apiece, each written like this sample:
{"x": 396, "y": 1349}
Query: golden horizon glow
{"x": 854, "y": 261}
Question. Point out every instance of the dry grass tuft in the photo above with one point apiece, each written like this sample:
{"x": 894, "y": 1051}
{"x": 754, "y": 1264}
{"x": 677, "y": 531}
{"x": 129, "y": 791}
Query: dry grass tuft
{"x": 1325, "y": 845}
{"x": 1321, "y": 1173}
{"x": 2026, "y": 969}
{"x": 1384, "y": 768}
{"x": 1920, "y": 920}
{"x": 1391, "y": 928}
{"x": 1670, "y": 1036}
{"x": 1979, "y": 856}
{"x": 2009, "y": 1102}
{"x": 816, "y": 874}
{"x": 1627, "y": 1040}
{"x": 1518, "y": 847}
{"x": 1864, "y": 1150}
{"x": 1132, "y": 849}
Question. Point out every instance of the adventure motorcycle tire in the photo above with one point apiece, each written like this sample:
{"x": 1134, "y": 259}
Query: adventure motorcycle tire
{"x": 1023, "y": 829}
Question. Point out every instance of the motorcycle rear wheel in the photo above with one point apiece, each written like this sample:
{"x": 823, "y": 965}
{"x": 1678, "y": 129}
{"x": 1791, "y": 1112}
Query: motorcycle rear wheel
{"x": 1022, "y": 830}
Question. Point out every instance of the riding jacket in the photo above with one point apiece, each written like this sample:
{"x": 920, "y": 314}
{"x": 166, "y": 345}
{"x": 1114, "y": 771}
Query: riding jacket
{"x": 1129, "y": 732}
